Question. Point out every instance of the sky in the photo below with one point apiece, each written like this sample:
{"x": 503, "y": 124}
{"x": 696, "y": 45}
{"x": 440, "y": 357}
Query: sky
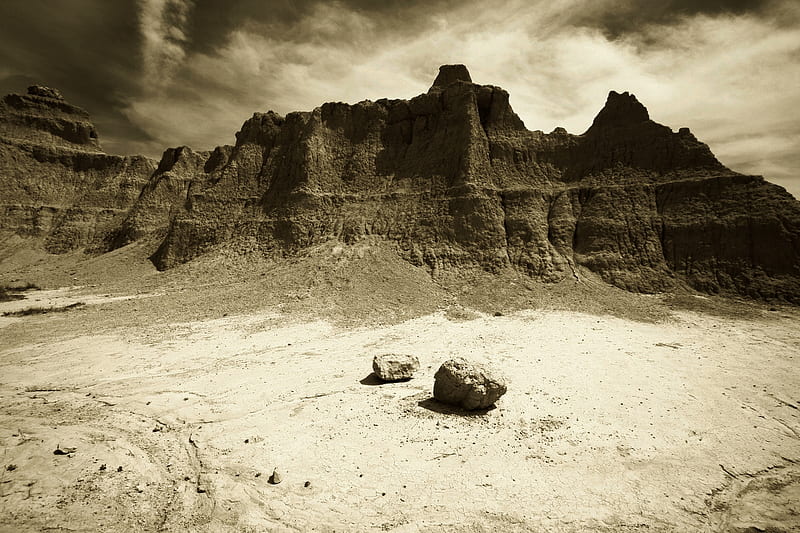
{"x": 161, "y": 73}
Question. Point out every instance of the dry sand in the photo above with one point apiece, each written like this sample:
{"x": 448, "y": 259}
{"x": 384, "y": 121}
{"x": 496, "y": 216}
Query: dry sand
{"x": 686, "y": 423}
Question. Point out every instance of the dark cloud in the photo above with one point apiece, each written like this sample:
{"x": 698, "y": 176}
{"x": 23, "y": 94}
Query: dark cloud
{"x": 633, "y": 16}
{"x": 210, "y": 24}
{"x": 85, "y": 48}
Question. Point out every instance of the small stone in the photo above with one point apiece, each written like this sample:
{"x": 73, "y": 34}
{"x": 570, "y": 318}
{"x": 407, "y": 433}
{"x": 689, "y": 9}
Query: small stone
{"x": 467, "y": 384}
{"x": 395, "y": 367}
{"x": 307, "y": 484}
{"x": 139, "y": 488}
{"x": 119, "y": 469}
{"x": 103, "y": 467}
{"x": 64, "y": 451}
{"x": 276, "y": 477}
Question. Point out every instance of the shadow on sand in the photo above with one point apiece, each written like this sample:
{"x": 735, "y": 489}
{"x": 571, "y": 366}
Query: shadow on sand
{"x": 431, "y": 404}
{"x": 373, "y": 379}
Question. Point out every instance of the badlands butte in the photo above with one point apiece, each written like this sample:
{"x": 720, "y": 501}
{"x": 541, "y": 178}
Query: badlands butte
{"x": 448, "y": 180}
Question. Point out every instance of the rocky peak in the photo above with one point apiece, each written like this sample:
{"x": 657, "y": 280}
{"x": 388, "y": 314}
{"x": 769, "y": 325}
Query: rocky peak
{"x": 45, "y": 92}
{"x": 42, "y": 117}
{"x": 261, "y": 128}
{"x": 449, "y": 74}
{"x": 620, "y": 110}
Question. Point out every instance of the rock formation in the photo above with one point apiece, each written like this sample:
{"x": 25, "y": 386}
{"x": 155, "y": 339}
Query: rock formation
{"x": 452, "y": 178}
{"x": 395, "y": 367}
{"x": 55, "y": 181}
{"x": 467, "y": 384}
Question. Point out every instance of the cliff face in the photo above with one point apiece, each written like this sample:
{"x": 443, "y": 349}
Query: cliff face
{"x": 452, "y": 177}
{"x": 55, "y": 181}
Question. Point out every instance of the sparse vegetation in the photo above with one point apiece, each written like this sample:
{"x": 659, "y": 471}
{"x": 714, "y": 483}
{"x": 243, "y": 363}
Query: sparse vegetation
{"x": 43, "y": 310}
{"x": 13, "y": 292}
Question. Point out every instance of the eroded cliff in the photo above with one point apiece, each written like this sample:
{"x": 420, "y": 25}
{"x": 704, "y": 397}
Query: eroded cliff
{"x": 56, "y": 183}
{"x": 454, "y": 179}
{"x": 451, "y": 178}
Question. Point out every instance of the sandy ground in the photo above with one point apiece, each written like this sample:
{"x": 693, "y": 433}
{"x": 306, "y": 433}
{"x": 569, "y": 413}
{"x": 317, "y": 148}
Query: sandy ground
{"x": 685, "y": 424}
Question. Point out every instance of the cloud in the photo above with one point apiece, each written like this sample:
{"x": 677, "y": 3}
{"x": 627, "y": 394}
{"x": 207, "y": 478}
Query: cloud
{"x": 171, "y": 72}
{"x": 87, "y": 49}
{"x": 623, "y": 17}
{"x": 163, "y": 24}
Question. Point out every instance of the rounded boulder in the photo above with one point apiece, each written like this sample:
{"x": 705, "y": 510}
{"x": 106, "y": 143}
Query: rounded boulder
{"x": 468, "y": 384}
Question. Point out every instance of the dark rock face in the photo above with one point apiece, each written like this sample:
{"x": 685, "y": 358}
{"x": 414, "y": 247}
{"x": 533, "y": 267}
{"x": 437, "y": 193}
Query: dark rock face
{"x": 55, "y": 181}
{"x": 451, "y": 177}
{"x": 455, "y": 179}
{"x": 395, "y": 367}
{"x": 449, "y": 74}
{"x": 467, "y": 384}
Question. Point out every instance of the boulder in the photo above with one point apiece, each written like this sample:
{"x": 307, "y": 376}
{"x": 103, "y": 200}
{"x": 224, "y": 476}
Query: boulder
{"x": 395, "y": 367}
{"x": 467, "y": 384}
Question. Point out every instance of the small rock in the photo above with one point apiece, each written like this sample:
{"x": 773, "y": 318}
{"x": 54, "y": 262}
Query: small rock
{"x": 467, "y": 384}
{"x": 64, "y": 451}
{"x": 276, "y": 477}
{"x": 139, "y": 488}
{"x": 119, "y": 469}
{"x": 102, "y": 467}
{"x": 498, "y": 313}
{"x": 307, "y": 484}
{"x": 11, "y": 467}
{"x": 395, "y": 367}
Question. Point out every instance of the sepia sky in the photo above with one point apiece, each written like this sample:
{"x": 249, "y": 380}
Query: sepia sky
{"x": 159, "y": 73}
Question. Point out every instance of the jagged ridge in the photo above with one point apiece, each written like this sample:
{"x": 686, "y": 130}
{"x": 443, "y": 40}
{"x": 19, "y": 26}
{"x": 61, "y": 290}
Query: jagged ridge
{"x": 453, "y": 178}
{"x": 56, "y": 183}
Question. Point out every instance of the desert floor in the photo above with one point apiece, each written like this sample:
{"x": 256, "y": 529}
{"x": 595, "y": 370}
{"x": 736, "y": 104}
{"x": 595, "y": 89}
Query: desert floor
{"x": 173, "y": 405}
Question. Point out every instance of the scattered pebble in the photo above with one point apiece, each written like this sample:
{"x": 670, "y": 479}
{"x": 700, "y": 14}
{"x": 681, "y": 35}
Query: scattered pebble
{"x": 103, "y": 466}
{"x": 65, "y": 451}
{"x": 119, "y": 469}
{"x": 276, "y": 477}
{"x": 11, "y": 467}
{"x": 307, "y": 484}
